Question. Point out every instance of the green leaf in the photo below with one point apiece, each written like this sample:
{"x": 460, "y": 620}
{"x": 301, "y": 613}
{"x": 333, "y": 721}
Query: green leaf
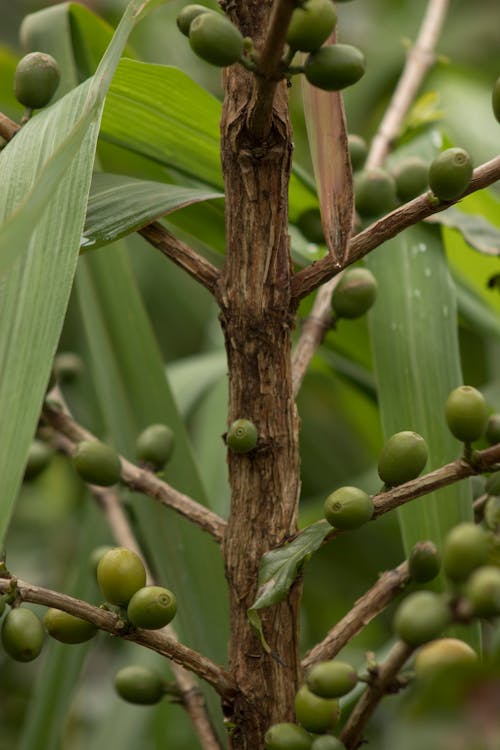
{"x": 119, "y": 205}
{"x": 40, "y": 237}
{"x": 476, "y": 230}
{"x": 192, "y": 377}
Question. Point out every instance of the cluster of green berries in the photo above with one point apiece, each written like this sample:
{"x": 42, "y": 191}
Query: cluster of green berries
{"x": 333, "y": 67}
{"x": 317, "y": 710}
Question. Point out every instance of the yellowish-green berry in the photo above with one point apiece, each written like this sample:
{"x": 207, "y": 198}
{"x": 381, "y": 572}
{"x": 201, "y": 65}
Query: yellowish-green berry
{"x": 335, "y": 67}
{"x": 466, "y": 547}
{"x": 450, "y": 173}
{"x": 348, "y": 508}
{"x": 332, "y": 679}
{"x": 242, "y": 436}
{"x": 466, "y": 413}
{"x": 402, "y": 458}
{"x": 97, "y": 463}
{"x": 316, "y": 714}
{"x": 355, "y": 293}
{"x": 424, "y": 562}
{"x": 421, "y": 617}
{"x": 22, "y": 634}
{"x": 440, "y": 654}
{"x": 215, "y": 39}
{"x": 152, "y": 607}
{"x": 311, "y": 25}
{"x": 36, "y": 79}
{"x": 67, "y": 628}
{"x": 120, "y": 573}
{"x": 482, "y": 589}
{"x": 139, "y": 685}
{"x": 287, "y": 736}
{"x": 155, "y": 445}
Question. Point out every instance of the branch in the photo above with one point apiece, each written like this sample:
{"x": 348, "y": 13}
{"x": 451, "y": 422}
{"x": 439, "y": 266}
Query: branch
{"x": 382, "y": 679}
{"x": 8, "y": 128}
{"x": 269, "y": 71}
{"x": 308, "y": 279}
{"x": 365, "y": 609}
{"x": 194, "y": 264}
{"x": 140, "y": 479}
{"x": 156, "y": 640}
{"x": 420, "y": 59}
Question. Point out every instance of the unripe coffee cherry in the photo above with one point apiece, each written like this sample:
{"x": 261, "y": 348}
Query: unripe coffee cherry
{"x": 482, "y": 589}
{"x": 311, "y": 25}
{"x": 466, "y": 547}
{"x": 66, "y": 628}
{"x": 442, "y": 653}
{"x": 327, "y": 741}
{"x": 139, "y": 685}
{"x": 421, "y": 617}
{"x": 495, "y": 99}
{"x": 36, "y": 79}
{"x": 424, "y": 562}
{"x": 492, "y": 433}
{"x": 120, "y": 573}
{"x": 316, "y": 714}
{"x": 332, "y": 679}
{"x": 97, "y": 463}
{"x": 335, "y": 67}
{"x": 450, "y": 173}
{"x": 287, "y": 736}
{"x": 155, "y": 445}
{"x": 67, "y": 367}
{"x": 354, "y": 294}
{"x": 242, "y": 436}
{"x": 466, "y": 413}
{"x": 358, "y": 151}
{"x": 348, "y": 508}
{"x": 411, "y": 177}
{"x": 152, "y": 607}
{"x": 375, "y": 193}
{"x": 39, "y": 457}
{"x": 215, "y": 39}
{"x": 492, "y": 513}
{"x": 22, "y": 634}
{"x": 492, "y": 486}
{"x": 188, "y": 14}
{"x": 309, "y": 223}
{"x": 402, "y": 458}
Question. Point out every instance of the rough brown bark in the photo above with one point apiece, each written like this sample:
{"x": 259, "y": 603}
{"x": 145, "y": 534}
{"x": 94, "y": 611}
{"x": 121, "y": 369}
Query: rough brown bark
{"x": 255, "y": 301}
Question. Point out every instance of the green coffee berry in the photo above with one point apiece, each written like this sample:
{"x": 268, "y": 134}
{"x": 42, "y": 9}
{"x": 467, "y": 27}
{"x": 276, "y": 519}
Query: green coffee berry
{"x": 421, "y": 617}
{"x": 188, "y": 14}
{"x": 120, "y": 573}
{"x": 402, "y": 458}
{"x": 152, "y": 607}
{"x": 139, "y": 685}
{"x": 495, "y": 99}
{"x": 215, "y": 39}
{"x": 492, "y": 432}
{"x": 354, "y": 294}
{"x": 67, "y": 367}
{"x": 39, "y": 457}
{"x": 358, "y": 151}
{"x": 442, "y": 653}
{"x": 466, "y": 413}
{"x": 482, "y": 589}
{"x": 348, "y": 508}
{"x": 287, "y": 736}
{"x": 242, "y": 436}
{"x": 311, "y": 25}
{"x": 154, "y": 446}
{"x": 424, "y": 562}
{"x": 492, "y": 513}
{"x": 309, "y": 223}
{"x": 36, "y": 79}
{"x": 97, "y": 463}
{"x": 327, "y": 741}
{"x": 492, "y": 486}
{"x": 450, "y": 173}
{"x": 335, "y": 67}
{"x": 375, "y": 193}
{"x": 66, "y": 628}
{"x": 316, "y": 714}
{"x": 466, "y": 547}
{"x": 332, "y": 679}
{"x": 411, "y": 177}
{"x": 22, "y": 634}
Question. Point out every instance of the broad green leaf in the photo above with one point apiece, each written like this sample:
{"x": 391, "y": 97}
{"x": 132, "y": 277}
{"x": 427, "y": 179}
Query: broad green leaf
{"x": 119, "y": 205}
{"x": 42, "y": 227}
{"x": 476, "y": 230}
{"x": 473, "y": 309}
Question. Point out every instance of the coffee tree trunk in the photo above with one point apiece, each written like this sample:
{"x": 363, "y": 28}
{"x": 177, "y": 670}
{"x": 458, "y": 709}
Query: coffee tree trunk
{"x": 256, "y": 318}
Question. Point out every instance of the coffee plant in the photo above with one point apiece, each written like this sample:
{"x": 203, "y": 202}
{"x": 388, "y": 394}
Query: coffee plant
{"x": 244, "y": 369}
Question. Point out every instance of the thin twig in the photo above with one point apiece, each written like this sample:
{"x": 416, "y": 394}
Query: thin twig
{"x": 8, "y": 128}
{"x": 184, "y": 256}
{"x": 365, "y": 609}
{"x": 191, "y": 696}
{"x": 269, "y": 70}
{"x": 419, "y": 60}
{"x": 156, "y": 640}
{"x": 308, "y": 279}
{"x": 141, "y": 479}
{"x": 382, "y": 681}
